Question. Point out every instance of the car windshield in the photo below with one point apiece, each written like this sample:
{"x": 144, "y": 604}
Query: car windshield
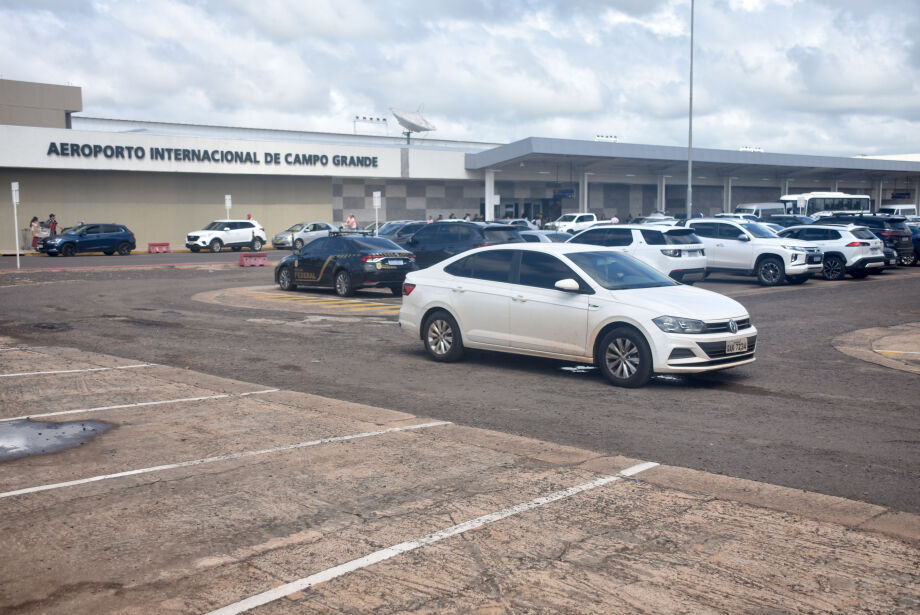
{"x": 567, "y": 218}
{"x": 899, "y": 226}
{"x": 295, "y": 228}
{"x": 758, "y": 230}
{"x": 389, "y": 227}
{"x": 680, "y": 236}
{"x": 372, "y": 244}
{"x": 617, "y": 271}
{"x": 501, "y": 235}
{"x": 217, "y": 225}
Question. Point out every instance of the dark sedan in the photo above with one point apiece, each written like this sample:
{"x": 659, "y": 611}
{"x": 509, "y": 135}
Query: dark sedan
{"x": 105, "y": 238}
{"x": 346, "y": 262}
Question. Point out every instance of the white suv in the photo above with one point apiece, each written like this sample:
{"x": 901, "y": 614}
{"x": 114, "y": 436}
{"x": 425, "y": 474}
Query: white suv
{"x": 571, "y": 223}
{"x": 674, "y": 251}
{"x": 749, "y": 248}
{"x": 234, "y": 234}
{"x": 849, "y": 249}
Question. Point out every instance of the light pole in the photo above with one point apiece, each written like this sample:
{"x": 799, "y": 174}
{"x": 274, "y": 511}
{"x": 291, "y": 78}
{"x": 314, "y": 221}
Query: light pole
{"x": 690, "y": 129}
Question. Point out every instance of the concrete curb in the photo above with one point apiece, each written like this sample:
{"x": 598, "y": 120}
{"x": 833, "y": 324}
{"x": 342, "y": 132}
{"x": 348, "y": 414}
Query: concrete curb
{"x": 896, "y": 347}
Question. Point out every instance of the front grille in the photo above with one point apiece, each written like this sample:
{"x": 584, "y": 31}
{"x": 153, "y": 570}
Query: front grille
{"x": 717, "y": 349}
{"x": 722, "y": 327}
{"x": 192, "y": 238}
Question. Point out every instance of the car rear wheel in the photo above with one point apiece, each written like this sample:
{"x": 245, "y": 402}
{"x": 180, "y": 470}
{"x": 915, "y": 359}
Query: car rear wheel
{"x": 624, "y": 358}
{"x": 834, "y": 268}
{"x": 68, "y": 249}
{"x": 215, "y": 246}
{"x": 194, "y": 249}
{"x": 286, "y": 279}
{"x": 124, "y": 248}
{"x": 442, "y": 337}
{"x": 256, "y": 245}
{"x": 343, "y": 285}
{"x": 770, "y": 271}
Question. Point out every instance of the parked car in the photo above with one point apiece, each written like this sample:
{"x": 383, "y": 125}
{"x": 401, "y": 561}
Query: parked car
{"x": 736, "y": 216}
{"x": 761, "y": 210}
{"x": 523, "y": 224}
{"x": 235, "y": 234}
{"x": 915, "y": 239}
{"x": 786, "y": 220}
{"x": 303, "y": 233}
{"x": 439, "y": 240}
{"x": 346, "y": 262}
{"x": 890, "y": 229}
{"x": 545, "y": 236}
{"x": 400, "y": 230}
{"x": 747, "y": 248}
{"x": 908, "y": 209}
{"x": 674, "y": 251}
{"x": 849, "y": 249}
{"x": 574, "y": 302}
{"x": 655, "y": 219}
{"x": 571, "y": 223}
{"x": 107, "y": 238}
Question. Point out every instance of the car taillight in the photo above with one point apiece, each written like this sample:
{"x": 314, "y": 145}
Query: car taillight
{"x": 856, "y": 244}
{"x": 372, "y": 258}
{"x": 132, "y": 235}
{"x": 408, "y": 288}
{"x": 671, "y": 252}
{"x": 887, "y": 234}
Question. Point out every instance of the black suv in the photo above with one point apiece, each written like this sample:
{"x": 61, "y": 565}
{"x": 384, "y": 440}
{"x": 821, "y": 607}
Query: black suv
{"x": 892, "y": 230}
{"x": 787, "y": 220}
{"x": 400, "y": 230}
{"x": 440, "y": 240}
{"x": 346, "y": 262}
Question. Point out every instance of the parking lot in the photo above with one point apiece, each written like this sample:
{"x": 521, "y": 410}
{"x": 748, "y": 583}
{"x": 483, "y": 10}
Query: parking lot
{"x": 294, "y": 452}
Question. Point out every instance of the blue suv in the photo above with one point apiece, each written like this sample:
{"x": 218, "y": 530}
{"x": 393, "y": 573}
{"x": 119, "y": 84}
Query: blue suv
{"x": 105, "y": 238}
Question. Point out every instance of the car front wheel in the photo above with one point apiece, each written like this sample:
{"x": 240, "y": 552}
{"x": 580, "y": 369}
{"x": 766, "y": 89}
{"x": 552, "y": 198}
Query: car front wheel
{"x": 770, "y": 271}
{"x": 194, "y": 249}
{"x": 68, "y": 249}
{"x": 442, "y": 337}
{"x": 286, "y": 279}
{"x": 343, "y": 285}
{"x": 908, "y": 260}
{"x": 624, "y": 358}
{"x": 215, "y": 246}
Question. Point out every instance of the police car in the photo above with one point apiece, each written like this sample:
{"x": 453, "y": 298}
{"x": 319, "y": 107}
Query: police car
{"x": 346, "y": 261}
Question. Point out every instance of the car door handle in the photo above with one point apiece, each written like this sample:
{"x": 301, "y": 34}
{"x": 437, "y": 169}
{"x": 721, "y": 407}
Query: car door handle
{"x": 593, "y": 306}
{"x": 458, "y": 289}
{"x": 720, "y": 245}
{"x": 519, "y": 299}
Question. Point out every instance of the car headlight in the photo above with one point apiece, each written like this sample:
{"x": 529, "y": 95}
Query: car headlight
{"x": 794, "y": 248}
{"x": 674, "y": 324}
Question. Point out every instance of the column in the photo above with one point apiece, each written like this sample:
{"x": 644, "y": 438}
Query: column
{"x": 727, "y": 195}
{"x": 583, "y": 193}
{"x": 490, "y": 195}
{"x": 662, "y": 195}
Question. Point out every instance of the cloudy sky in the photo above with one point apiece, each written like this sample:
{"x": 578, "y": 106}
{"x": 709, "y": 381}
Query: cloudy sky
{"x": 837, "y": 77}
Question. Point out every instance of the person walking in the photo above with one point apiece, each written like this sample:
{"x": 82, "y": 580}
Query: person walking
{"x": 52, "y": 225}
{"x": 352, "y": 223}
{"x": 35, "y": 230}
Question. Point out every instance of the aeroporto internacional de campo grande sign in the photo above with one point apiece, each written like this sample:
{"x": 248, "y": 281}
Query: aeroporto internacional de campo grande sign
{"x": 218, "y": 156}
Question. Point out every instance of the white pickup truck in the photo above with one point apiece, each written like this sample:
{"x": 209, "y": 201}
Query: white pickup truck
{"x": 571, "y": 223}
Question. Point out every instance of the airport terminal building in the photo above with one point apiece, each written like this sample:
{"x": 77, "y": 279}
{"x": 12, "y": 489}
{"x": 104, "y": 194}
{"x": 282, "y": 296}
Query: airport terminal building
{"x": 164, "y": 180}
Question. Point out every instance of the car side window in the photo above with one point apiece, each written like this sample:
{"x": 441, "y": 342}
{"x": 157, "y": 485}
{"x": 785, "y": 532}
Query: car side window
{"x": 619, "y": 237}
{"x": 463, "y": 234}
{"x": 544, "y": 270}
{"x": 813, "y": 234}
{"x": 705, "y": 229}
{"x": 594, "y": 237}
{"x": 793, "y": 234}
{"x": 727, "y": 231}
{"x": 653, "y": 238}
{"x": 92, "y": 229}
{"x": 493, "y": 265}
{"x": 425, "y": 235}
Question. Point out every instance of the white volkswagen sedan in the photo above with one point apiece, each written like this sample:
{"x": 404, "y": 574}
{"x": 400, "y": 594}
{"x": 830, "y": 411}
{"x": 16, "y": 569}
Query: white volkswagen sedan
{"x": 576, "y": 303}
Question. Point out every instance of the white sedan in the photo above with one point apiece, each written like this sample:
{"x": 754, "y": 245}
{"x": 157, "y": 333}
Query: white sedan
{"x": 576, "y": 303}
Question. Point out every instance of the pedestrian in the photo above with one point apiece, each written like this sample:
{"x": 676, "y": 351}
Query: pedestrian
{"x": 430, "y": 219}
{"x": 440, "y": 217}
{"x": 52, "y": 225}
{"x": 452, "y": 216}
{"x": 352, "y": 223}
{"x": 35, "y": 229}
{"x": 466, "y": 218}
{"x": 614, "y": 219}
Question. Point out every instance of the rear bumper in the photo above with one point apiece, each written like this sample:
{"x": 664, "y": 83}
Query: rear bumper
{"x": 870, "y": 262}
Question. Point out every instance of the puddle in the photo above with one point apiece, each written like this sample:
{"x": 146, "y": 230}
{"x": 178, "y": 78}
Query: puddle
{"x": 25, "y": 437}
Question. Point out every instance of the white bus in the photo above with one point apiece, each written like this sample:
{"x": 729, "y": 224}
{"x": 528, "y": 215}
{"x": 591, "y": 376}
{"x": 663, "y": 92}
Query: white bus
{"x": 818, "y": 204}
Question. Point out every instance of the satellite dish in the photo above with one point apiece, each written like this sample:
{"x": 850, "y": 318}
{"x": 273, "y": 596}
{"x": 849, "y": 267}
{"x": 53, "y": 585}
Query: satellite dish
{"x": 412, "y": 122}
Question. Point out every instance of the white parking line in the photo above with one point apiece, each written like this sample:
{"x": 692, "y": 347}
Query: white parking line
{"x": 139, "y": 404}
{"x": 77, "y": 371}
{"x": 897, "y": 351}
{"x": 404, "y": 547}
{"x": 195, "y": 462}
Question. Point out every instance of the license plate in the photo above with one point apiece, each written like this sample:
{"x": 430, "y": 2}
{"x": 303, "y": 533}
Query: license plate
{"x": 693, "y": 252}
{"x": 397, "y": 261}
{"x": 815, "y": 258}
{"x": 735, "y": 346}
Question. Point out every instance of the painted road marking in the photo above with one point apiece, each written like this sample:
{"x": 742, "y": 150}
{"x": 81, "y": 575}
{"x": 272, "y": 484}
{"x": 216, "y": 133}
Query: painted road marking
{"x": 77, "y": 371}
{"x": 195, "y": 462}
{"x": 897, "y": 352}
{"x": 348, "y": 305}
{"x": 140, "y": 404}
{"x": 404, "y": 547}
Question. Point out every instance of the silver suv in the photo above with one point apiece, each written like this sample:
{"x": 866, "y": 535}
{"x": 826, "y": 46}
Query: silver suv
{"x": 235, "y": 234}
{"x": 849, "y": 249}
{"x": 750, "y": 248}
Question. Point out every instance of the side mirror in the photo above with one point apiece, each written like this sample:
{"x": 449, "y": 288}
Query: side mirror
{"x": 226, "y": 228}
{"x": 567, "y": 285}
{"x": 743, "y": 237}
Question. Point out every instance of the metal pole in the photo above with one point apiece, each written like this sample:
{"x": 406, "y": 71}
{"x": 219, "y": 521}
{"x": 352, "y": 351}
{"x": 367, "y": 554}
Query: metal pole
{"x": 15, "y": 189}
{"x": 690, "y": 130}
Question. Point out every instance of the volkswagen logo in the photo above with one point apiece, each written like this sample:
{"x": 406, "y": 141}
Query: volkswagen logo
{"x": 732, "y": 326}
